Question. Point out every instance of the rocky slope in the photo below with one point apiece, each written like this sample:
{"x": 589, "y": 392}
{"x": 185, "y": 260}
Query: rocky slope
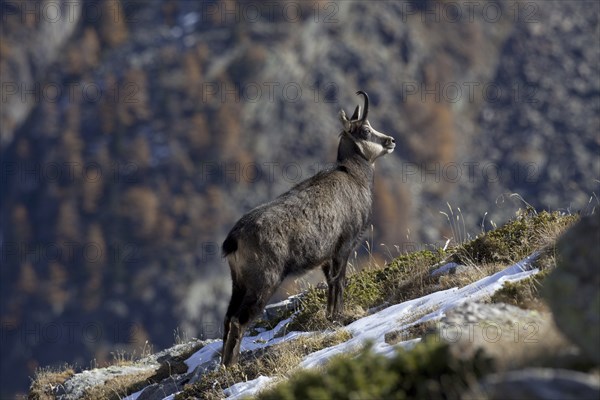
{"x": 137, "y": 132}
{"x": 462, "y": 342}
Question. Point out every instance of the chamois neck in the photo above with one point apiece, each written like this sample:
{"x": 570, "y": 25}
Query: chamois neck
{"x": 351, "y": 158}
{"x": 347, "y": 149}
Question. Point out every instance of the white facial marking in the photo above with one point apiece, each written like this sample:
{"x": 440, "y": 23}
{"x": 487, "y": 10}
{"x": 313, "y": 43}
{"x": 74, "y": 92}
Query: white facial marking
{"x": 371, "y": 150}
{"x": 376, "y": 146}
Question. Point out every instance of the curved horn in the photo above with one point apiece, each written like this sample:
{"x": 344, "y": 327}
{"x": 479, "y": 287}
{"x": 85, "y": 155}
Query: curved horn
{"x": 366, "y": 111}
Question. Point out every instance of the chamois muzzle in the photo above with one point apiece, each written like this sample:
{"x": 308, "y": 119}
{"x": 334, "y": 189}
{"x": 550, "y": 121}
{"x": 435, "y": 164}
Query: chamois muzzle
{"x": 390, "y": 143}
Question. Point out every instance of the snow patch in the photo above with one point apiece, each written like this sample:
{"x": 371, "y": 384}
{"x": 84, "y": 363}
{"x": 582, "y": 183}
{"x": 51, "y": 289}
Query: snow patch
{"x": 371, "y": 328}
{"x": 249, "y": 343}
{"x": 249, "y": 388}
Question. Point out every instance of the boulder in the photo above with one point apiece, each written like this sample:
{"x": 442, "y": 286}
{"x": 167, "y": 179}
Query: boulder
{"x": 573, "y": 288}
{"x": 513, "y": 337}
{"x": 162, "y": 366}
{"x": 540, "y": 383}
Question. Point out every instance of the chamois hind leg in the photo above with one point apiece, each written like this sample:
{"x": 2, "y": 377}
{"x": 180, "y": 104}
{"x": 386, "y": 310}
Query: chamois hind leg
{"x": 237, "y": 296}
{"x": 231, "y": 345}
{"x": 251, "y": 306}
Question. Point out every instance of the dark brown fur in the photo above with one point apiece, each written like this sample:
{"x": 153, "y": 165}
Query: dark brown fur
{"x": 317, "y": 223}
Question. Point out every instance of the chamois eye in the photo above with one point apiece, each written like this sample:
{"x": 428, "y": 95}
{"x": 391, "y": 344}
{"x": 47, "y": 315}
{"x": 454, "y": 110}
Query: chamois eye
{"x": 365, "y": 132}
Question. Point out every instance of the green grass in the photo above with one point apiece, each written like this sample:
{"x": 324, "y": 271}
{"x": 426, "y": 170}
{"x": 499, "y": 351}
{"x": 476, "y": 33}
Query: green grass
{"x": 428, "y": 371}
{"x": 512, "y": 242}
{"x": 369, "y": 288}
{"x": 408, "y": 276}
{"x": 525, "y": 294}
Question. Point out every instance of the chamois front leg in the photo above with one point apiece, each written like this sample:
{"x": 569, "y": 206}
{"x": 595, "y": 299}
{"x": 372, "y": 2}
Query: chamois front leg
{"x": 327, "y": 271}
{"x": 336, "y": 282}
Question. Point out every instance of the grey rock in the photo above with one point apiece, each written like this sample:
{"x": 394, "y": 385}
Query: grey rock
{"x": 541, "y": 383}
{"x": 279, "y": 311}
{"x": 573, "y": 288}
{"x": 77, "y": 386}
{"x": 166, "y": 363}
{"x": 450, "y": 269}
{"x": 513, "y": 337}
{"x": 159, "y": 391}
{"x": 500, "y": 314}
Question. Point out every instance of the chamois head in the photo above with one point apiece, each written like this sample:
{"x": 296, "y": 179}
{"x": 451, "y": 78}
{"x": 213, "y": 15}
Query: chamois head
{"x": 359, "y": 136}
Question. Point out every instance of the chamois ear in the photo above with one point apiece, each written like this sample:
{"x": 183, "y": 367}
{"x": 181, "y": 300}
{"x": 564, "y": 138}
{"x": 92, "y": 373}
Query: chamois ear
{"x": 356, "y": 114}
{"x": 344, "y": 120}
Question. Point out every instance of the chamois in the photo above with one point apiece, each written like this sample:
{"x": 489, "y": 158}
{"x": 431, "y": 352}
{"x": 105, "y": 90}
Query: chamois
{"x": 317, "y": 223}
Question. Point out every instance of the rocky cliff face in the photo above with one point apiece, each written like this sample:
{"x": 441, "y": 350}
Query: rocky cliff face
{"x": 33, "y": 35}
{"x": 154, "y": 125}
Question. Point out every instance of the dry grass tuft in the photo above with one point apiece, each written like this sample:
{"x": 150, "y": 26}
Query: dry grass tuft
{"x": 529, "y": 232}
{"x": 469, "y": 275}
{"x": 121, "y": 386}
{"x": 47, "y": 381}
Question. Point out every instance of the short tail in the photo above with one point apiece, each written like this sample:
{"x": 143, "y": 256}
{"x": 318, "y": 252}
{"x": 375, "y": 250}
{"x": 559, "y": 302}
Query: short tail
{"x": 230, "y": 245}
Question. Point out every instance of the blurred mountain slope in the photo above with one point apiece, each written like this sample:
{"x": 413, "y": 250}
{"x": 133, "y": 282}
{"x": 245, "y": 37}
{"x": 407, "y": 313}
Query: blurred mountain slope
{"x": 154, "y": 125}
